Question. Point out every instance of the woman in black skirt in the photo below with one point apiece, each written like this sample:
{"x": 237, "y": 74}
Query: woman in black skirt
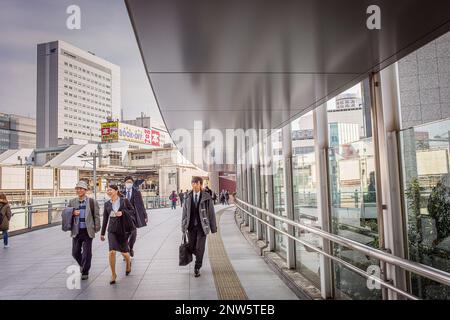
{"x": 116, "y": 211}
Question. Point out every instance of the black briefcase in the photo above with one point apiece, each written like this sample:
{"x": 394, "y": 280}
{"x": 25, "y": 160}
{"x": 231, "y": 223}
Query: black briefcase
{"x": 185, "y": 252}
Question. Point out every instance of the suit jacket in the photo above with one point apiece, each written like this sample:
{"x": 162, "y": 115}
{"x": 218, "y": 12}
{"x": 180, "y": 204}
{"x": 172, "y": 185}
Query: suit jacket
{"x": 139, "y": 208}
{"x": 125, "y": 207}
{"x": 92, "y": 218}
{"x": 206, "y": 213}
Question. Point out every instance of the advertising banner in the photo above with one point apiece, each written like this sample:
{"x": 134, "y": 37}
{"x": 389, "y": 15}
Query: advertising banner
{"x": 117, "y": 131}
{"x": 110, "y": 131}
{"x": 155, "y": 138}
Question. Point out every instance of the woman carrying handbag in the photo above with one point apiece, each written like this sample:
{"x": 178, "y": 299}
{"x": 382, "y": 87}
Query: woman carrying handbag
{"x": 117, "y": 217}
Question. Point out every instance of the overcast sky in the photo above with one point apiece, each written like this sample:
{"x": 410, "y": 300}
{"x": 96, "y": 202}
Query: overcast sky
{"x": 105, "y": 30}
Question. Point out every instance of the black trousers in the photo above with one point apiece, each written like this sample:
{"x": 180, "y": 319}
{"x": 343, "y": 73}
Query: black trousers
{"x": 82, "y": 250}
{"x": 197, "y": 242}
{"x": 132, "y": 239}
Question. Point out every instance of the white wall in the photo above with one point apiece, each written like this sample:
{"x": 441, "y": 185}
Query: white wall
{"x": 12, "y": 178}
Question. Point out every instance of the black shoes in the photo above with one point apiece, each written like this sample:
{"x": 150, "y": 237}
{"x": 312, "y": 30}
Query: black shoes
{"x": 127, "y": 272}
{"x": 84, "y": 276}
{"x": 132, "y": 253}
{"x": 197, "y": 272}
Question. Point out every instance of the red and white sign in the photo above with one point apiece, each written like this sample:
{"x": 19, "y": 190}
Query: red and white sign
{"x": 147, "y": 136}
{"x": 155, "y": 138}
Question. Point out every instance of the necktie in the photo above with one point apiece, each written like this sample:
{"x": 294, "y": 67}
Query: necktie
{"x": 128, "y": 194}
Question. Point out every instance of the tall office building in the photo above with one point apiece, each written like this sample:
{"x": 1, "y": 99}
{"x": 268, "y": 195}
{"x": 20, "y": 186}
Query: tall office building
{"x": 76, "y": 91}
{"x": 348, "y": 101}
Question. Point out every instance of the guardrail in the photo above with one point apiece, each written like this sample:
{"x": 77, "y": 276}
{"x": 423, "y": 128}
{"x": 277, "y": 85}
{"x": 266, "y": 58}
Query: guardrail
{"x": 38, "y": 215}
{"x": 411, "y": 266}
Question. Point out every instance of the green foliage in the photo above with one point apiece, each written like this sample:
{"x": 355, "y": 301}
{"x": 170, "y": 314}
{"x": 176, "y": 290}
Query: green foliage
{"x": 413, "y": 192}
{"x": 438, "y": 205}
{"x": 439, "y": 209}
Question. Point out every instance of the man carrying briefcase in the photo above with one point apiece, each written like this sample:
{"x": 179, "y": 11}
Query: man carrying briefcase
{"x": 199, "y": 219}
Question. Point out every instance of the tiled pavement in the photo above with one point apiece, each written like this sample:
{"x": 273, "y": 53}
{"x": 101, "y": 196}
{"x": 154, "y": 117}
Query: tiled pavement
{"x": 34, "y": 267}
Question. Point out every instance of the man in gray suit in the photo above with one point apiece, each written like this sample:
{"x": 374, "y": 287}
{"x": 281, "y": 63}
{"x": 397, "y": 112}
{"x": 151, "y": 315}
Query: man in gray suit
{"x": 86, "y": 222}
{"x": 198, "y": 220}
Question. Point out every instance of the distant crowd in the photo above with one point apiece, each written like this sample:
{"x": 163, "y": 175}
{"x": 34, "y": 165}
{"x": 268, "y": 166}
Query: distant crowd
{"x": 180, "y": 197}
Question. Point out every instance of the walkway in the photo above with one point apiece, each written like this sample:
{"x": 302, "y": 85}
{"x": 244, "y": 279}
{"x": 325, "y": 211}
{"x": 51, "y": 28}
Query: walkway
{"x": 34, "y": 267}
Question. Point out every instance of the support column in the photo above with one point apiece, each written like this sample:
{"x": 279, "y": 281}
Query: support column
{"x": 257, "y": 193}
{"x": 243, "y": 173}
{"x": 270, "y": 196}
{"x": 289, "y": 192}
{"x": 387, "y": 105}
{"x": 323, "y": 197}
{"x": 250, "y": 168}
{"x": 238, "y": 170}
{"x": 247, "y": 179}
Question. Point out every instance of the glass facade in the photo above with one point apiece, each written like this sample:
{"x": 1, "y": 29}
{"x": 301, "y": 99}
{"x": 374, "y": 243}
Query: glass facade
{"x": 304, "y": 183}
{"x": 425, "y": 159}
{"x": 357, "y": 183}
{"x": 424, "y": 85}
{"x": 352, "y": 189}
{"x": 264, "y": 192}
{"x": 279, "y": 191}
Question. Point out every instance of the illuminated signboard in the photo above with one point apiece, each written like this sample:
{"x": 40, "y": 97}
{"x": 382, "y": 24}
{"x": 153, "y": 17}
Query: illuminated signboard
{"x": 117, "y": 131}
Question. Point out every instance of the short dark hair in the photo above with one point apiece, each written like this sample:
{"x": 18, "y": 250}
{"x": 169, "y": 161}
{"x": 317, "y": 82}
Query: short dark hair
{"x": 196, "y": 179}
{"x": 114, "y": 186}
{"x": 128, "y": 178}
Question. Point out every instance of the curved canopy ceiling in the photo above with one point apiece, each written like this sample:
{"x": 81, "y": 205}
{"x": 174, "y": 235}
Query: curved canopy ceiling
{"x": 259, "y": 63}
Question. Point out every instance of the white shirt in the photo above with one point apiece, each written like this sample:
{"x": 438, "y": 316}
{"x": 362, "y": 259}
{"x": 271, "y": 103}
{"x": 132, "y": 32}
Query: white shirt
{"x": 115, "y": 207}
{"x": 198, "y": 196}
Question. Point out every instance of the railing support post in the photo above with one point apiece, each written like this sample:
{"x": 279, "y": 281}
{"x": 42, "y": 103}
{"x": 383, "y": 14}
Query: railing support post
{"x": 30, "y": 215}
{"x": 323, "y": 198}
{"x": 289, "y": 193}
{"x": 270, "y": 193}
{"x": 50, "y": 212}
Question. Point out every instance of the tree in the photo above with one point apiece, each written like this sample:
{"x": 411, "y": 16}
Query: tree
{"x": 439, "y": 207}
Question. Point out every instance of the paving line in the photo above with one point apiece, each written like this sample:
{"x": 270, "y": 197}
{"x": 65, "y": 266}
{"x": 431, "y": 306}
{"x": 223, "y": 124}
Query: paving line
{"x": 228, "y": 285}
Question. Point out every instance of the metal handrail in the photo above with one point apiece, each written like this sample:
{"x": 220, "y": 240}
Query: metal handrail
{"x": 27, "y": 207}
{"x": 37, "y": 205}
{"x": 414, "y": 267}
{"x": 338, "y": 260}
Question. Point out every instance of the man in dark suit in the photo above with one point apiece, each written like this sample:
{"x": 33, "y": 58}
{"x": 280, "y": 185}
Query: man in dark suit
{"x": 140, "y": 214}
{"x": 198, "y": 220}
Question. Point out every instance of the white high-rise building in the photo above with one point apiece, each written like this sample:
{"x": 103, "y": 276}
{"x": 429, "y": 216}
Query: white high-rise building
{"x": 76, "y": 91}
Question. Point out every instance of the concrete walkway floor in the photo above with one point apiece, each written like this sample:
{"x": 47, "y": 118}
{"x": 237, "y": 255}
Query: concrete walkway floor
{"x": 35, "y": 265}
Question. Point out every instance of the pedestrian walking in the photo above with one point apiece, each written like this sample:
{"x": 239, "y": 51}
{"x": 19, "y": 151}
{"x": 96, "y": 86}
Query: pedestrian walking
{"x": 140, "y": 214}
{"x": 227, "y": 197}
{"x": 173, "y": 198}
{"x": 198, "y": 220}
{"x": 86, "y": 222}
{"x": 117, "y": 217}
{"x": 222, "y": 198}
{"x": 5, "y": 217}
{"x": 181, "y": 196}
